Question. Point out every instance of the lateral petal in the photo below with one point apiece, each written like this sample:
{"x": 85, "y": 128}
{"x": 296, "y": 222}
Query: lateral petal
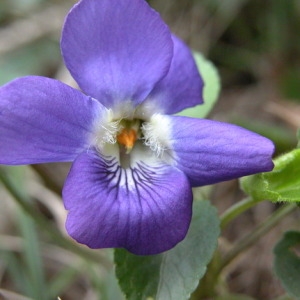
{"x": 145, "y": 209}
{"x": 116, "y": 51}
{"x": 183, "y": 85}
{"x": 44, "y": 120}
{"x": 209, "y": 151}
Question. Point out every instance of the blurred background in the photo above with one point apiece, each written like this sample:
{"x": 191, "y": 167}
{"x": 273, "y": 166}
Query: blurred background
{"x": 256, "y": 47}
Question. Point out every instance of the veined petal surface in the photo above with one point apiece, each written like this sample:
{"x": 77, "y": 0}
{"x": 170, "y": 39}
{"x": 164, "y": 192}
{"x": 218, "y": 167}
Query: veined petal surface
{"x": 44, "y": 120}
{"x": 183, "y": 85}
{"x": 116, "y": 50}
{"x": 209, "y": 151}
{"x": 145, "y": 209}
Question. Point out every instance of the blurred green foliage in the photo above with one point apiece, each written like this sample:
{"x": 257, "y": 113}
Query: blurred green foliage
{"x": 40, "y": 57}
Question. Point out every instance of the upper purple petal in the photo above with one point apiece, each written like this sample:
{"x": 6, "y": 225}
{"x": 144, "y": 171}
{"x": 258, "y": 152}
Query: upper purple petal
{"x": 183, "y": 86}
{"x": 116, "y": 50}
{"x": 44, "y": 120}
{"x": 209, "y": 151}
{"x": 145, "y": 209}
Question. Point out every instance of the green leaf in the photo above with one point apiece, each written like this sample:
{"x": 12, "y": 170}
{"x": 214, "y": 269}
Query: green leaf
{"x": 282, "y": 184}
{"x": 212, "y": 87}
{"x": 287, "y": 263}
{"x": 176, "y": 273}
{"x": 110, "y": 287}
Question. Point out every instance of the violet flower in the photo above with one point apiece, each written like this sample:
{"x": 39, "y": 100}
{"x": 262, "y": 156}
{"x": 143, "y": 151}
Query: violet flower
{"x": 134, "y": 162}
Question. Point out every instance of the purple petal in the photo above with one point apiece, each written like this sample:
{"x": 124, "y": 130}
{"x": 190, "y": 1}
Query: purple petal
{"x": 145, "y": 209}
{"x": 209, "y": 151}
{"x": 43, "y": 120}
{"x": 116, "y": 49}
{"x": 183, "y": 86}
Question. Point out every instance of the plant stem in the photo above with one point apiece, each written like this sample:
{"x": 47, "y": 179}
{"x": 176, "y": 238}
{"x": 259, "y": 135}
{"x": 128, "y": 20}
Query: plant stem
{"x": 236, "y": 209}
{"x": 258, "y": 232}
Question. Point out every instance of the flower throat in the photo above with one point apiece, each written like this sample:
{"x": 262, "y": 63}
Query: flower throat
{"x": 128, "y": 134}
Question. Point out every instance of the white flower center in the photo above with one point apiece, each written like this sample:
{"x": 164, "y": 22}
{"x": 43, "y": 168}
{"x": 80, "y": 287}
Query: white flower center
{"x": 125, "y": 136}
{"x": 157, "y": 134}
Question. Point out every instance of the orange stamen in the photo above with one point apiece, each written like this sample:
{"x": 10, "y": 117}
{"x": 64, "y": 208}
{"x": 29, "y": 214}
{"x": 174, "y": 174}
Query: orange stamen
{"x": 127, "y": 137}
